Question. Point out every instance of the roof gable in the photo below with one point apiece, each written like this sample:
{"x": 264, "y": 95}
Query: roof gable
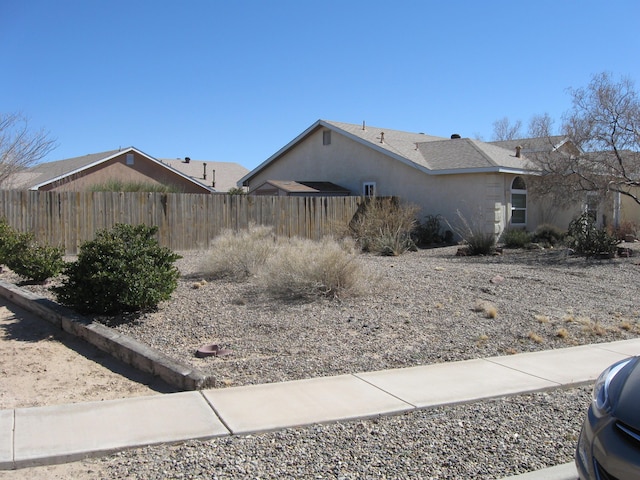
{"x": 429, "y": 154}
{"x": 46, "y": 173}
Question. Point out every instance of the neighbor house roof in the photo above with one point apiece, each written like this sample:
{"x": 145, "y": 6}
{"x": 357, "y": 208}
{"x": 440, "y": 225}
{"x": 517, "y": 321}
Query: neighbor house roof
{"x": 225, "y": 174}
{"x": 430, "y": 154}
{"x": 45, "y": 173}
{"x": 534, "y": 145}
{"x": 291, "y": 186}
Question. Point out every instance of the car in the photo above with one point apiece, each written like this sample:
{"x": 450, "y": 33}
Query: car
{"x": 609, "y": 443}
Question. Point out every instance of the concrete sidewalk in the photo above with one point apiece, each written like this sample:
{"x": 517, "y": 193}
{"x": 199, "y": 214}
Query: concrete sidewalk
{"x": 58, "y": 434}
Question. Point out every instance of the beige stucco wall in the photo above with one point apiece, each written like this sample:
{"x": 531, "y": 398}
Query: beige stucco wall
{"x": 481, "y": 198}
{"x": 143, "y": 170}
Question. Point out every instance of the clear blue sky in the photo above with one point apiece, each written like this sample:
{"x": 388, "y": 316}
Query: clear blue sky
{"x": 236, "y": 80}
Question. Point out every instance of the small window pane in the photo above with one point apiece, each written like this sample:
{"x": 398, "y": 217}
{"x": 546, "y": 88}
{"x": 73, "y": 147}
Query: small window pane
{"x": 518, "y": 184}
{"x": 519, "y": 200}
{"x": 518, "y": 216}
{"x": 326, "y": 137}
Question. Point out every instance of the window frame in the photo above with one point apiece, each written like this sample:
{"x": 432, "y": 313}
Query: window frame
{"x": 519, "y": 192}
{"x": 369, "y": 189}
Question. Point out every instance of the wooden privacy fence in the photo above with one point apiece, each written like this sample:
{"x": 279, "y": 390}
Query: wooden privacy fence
{"x": 184, "y": 221}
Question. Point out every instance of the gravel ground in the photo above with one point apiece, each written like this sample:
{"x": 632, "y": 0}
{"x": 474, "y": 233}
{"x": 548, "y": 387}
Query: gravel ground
{"x": 424, "y": 307}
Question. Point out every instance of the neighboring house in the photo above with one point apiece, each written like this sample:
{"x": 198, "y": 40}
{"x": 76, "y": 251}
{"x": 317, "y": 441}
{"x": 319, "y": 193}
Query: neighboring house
{"x": 125, "y": 165}
{"x": 453, "y": 177}
{"x": 220, "y": 176}
{"x": 300, "y": 189}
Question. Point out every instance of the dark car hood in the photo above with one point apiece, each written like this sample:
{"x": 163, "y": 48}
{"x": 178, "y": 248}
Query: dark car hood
{"x": 627, "y": 409}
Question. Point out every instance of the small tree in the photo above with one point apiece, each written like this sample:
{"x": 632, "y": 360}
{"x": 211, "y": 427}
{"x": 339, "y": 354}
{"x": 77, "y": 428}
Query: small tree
{"x": 20, "y": 147}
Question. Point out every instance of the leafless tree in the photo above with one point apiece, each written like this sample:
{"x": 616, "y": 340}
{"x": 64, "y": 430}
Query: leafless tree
{"x": 20, "y": 147}
{"x": 503, "y": 129}
{"x": 605, "y": 122}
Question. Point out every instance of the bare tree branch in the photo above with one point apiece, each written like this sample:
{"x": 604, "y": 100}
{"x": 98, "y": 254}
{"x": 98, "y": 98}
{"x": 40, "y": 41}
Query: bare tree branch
{"x": 20, "y": 147}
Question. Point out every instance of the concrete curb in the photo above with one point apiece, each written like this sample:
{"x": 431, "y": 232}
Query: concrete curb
{"x": 122, "y": 347}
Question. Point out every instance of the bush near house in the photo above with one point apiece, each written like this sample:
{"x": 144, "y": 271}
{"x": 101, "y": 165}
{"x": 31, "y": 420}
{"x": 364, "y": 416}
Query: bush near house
{"x": 428, "y": 232}
{"x": 384, "y": 226}
{"x": 548, "y": 235}
{"x": 515, "y": 238}
{"x": 589, "y": 240}
{"x": 21, "y": 253}
{"x": 123, "y": 270}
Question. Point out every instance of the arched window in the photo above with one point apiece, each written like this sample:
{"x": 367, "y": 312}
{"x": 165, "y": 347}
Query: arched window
{"x": 518, "y": 202}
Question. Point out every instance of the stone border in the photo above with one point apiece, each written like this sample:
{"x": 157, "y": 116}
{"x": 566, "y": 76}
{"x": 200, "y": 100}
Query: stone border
{"x": 122, "y": 347}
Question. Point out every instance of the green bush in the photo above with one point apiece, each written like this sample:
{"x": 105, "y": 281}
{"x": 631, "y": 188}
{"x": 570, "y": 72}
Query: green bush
{"x": 587, "y": 239}
{"x": 21, "y": 253}
{"x": 123, "y": 270}
{"x": 548, "y": 235}
{"x": 8, "y": 241}
{"x": 384, "y": 226}
{"x": 429, "y": 231}
{"x": 238, "y": 256}
{"x": 305, "y": 268}
{"x": 515, "y": 238}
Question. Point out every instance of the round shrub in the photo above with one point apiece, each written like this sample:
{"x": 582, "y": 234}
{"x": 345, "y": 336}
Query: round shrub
{"x": 515, "y": 238}
{"x": 21, "y": 253}
{"x": 548, "y": 235}
{"x": 123, "y": 270}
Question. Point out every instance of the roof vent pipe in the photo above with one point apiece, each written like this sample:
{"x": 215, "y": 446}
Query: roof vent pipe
{"x": 381, "y": 137}
{"x": 204, "y": 171}
{"x": 518, "y": 151}
{"x": 363, "y": 125}
{"x": 187, "y": 159}
{"x": 455, "y": 135}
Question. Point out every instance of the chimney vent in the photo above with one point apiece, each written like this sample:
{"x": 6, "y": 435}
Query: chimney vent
{"x": 381, "y": 137}
{"x": 455, "y": 135}
{"x": 187, "y": 159}
{"x": 518, "y": 151}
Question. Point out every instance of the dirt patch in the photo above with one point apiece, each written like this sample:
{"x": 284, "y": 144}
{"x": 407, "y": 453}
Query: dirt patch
{"x": 42, "y": 365}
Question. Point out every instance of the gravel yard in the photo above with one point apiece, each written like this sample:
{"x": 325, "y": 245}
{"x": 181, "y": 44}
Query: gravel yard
{"x": 424, "y": 307}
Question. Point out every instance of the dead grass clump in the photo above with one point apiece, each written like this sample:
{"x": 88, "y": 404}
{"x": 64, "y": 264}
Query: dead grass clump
{"x": 593, "y": 328}
{"x": 542, "y": 318}
{"x": 535, "y": 337}
{"x": 239, "y": 255}
{"x": 304, "y": 268}
{"x": 562, "y": 333}
{"x": 489, "y": 310}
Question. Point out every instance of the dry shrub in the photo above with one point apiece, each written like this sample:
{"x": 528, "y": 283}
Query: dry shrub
{"x": 384, "y": 226}
{"x": 562, "y": 333}
{"x": 305, "y": 268}
{"x": 240, "y": 255}
{"x": 542, "y": 318}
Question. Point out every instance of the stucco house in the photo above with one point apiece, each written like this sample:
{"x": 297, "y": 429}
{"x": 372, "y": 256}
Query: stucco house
{"x": 125, "y": 165}
{"x": 454, "y": 177}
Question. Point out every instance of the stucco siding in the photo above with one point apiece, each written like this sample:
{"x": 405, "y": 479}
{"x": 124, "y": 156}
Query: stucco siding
{"x": 478, "y": 197}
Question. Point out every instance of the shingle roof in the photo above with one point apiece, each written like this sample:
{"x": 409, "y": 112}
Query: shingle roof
{"x": 430, "y": 154}
{"x": 533, "y": 145}
{"x": 308, "y": 187}
{"x": 226, "y": 173}
{"x": 44, "y": 173}
{"x": 436, "y": 155}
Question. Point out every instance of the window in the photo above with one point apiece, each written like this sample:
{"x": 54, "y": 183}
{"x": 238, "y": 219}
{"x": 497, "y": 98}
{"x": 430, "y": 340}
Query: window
{"x": 369, "y": 189}
{"x": 518, "y": 202}
{"x": 129, "y": 158}
{"x": 591, "y": 207}
{"x": 326, "y": 137}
